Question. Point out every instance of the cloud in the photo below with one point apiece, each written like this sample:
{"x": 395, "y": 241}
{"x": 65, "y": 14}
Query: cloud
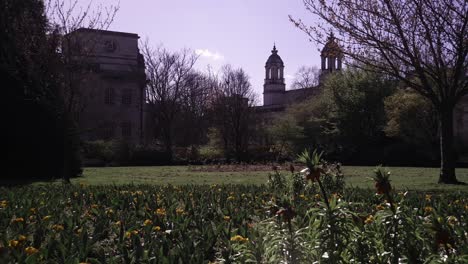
{"x": 209, "y": 54}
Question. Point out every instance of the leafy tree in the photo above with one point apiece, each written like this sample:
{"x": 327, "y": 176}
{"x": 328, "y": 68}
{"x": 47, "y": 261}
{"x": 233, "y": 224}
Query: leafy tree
{"x": 413, "y": 119}
{"x": 41, "y": 139}
{"x": 346, "y": 119}
{"x": 421, "y": 43}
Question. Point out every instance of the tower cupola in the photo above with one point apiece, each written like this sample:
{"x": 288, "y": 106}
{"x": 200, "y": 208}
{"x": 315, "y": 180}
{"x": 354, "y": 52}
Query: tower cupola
{"x": 331, "y": 55}
{"x": 274, "y": 86}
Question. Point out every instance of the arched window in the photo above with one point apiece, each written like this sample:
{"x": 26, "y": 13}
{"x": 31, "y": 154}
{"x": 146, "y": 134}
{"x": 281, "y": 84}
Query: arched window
{"x": 279, "y": 73}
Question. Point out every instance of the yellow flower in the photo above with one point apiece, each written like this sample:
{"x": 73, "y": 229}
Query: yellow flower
{"x": 33, "y": 210}
{"x": 230, "y": 198}
{"x": 147, "y": 222}
{"x": 118, "y": 223}
{"x": 109, "y": 212}
{"x": 379, "y": 207}
{"x": 157, "y": 228}
{"x": 13, "y": 243}
{"x": 22, "y": 238}
{"x": 180, "y": 211}
{"x": 94, "y": 206}
{"x": 47, "y": 217}
{"x": 18, "y": 220}
{"x": 58, "y": 228}
{"x": 428, "y": 209}
{"x": 3, "y": 204}
{"x": 128, "y": 234}
{"x": 303, "y": 197}
{"x": 226, "y": 218}
{"x": 161, "y": 212}
{"x": 369, "y": 220}
{"x": 31, "y": 250}
{"x": 317, "y": 196}
{"x": 428, "y": 197}
{"x": 239, "y": 238}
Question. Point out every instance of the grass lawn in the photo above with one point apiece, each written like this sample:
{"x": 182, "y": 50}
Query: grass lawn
{"x": 402, "y": 178}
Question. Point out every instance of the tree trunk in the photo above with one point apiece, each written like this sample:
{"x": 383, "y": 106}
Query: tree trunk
{"x": 447, "y": 157}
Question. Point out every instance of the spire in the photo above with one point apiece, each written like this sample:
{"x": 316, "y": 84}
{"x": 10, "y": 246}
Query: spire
{"x": 274, "y": 51}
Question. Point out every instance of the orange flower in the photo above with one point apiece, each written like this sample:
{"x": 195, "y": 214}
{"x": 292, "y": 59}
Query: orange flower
{"x": 428, "y": 209}
{"x": 13, "y": 243}
{"x": 31, "y": 250}
{"x": 161, "y": 212}
{"x": 369, "y": 220}
{"x": 239, "y": 238}
{"x": 379, "y": 207}
{"x": 18, "y": 220}
{"x": 58, "y": 228}
{"x": 147, "y": 222}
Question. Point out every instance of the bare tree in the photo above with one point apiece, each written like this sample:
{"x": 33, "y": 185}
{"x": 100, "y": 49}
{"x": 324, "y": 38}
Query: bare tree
{"x": 232, "y": 109}
{"x": 422, "y": 43}
{"x": 169, "y": 76}
{"x": 192, "y": 126}
{"x": 65, "y": 18}
{"x": 306, "y": 77}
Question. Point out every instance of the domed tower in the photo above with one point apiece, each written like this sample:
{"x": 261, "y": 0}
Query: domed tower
{"x": 274, "y": 87}
{"x": 332, "y": 56}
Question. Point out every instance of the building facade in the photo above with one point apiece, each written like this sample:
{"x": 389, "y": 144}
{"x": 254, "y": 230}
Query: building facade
{"x": 112, "y": 91}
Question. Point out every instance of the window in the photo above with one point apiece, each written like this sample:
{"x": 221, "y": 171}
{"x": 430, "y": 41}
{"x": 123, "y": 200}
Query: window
{"x": 110, "y": 45}
{"x": 126, "y": 96}
{"x": 126, "y": 129}
{"x": 109, "y": 96}
{"x": 108, "y": 131}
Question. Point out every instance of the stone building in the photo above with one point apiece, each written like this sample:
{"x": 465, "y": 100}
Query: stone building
{"x": 275, "y": 95}
{"x": 112, "y": 90}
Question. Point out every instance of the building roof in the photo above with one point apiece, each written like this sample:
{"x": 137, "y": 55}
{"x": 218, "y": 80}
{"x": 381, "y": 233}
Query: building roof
{"x": 106, "y": 32}
{"x": 274, "y": 57}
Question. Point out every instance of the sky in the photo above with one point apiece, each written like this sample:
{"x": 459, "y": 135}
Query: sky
{"x": 236, "y": 32}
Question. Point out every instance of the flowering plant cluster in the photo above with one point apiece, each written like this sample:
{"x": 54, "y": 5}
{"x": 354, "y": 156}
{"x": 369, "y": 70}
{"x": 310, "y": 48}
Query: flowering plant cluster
{"x": 295, "y": 218}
